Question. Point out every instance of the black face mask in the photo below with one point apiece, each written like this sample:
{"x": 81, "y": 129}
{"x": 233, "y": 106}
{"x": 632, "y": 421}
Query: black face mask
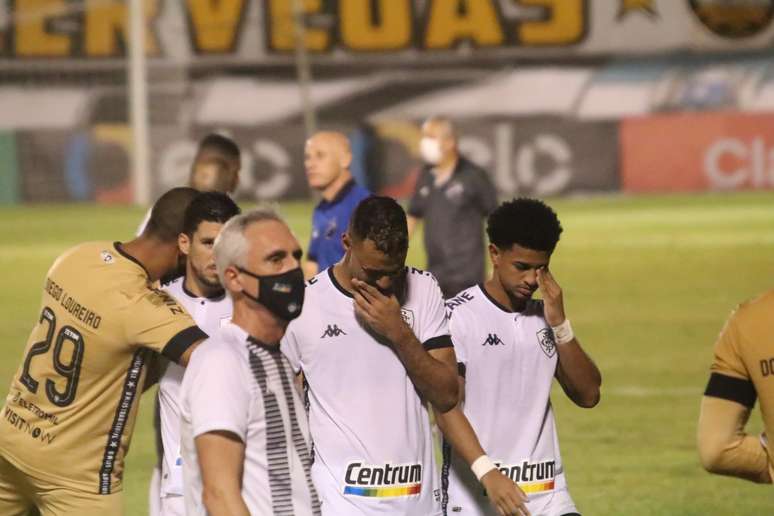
{"x": 281, "y": 294}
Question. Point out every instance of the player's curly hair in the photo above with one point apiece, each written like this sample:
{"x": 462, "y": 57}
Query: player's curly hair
{"x": 529, "y": 223}
{"x": 209, "y": 207}
{"x": 383, "y": 221}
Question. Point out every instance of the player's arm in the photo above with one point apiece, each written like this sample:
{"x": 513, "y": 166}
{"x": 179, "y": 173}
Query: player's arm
{"x": 576, "y": 372}
{"x": 502, "y": 492}
{"x": 436, "y": 380}
{"x": 221, "y": 457}
{"x": 158, "y": 322}
{"x": 218, "y": 401}
{"x": 724, "y": 446}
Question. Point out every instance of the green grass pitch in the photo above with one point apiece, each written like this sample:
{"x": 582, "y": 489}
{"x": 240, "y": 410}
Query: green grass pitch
{"x": 648, "y": 282}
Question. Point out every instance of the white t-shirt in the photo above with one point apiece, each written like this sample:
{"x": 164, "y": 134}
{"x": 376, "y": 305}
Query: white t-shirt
{"x": 209, "y": 315}
{"x": 238, "y": 385}
{"x": 371, "y": 431}
{"x": 509, "y": 362}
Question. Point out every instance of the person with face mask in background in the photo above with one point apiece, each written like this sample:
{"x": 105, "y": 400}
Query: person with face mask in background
{"x": 327, "y": 158}
{"x": 244, "y": 435}
{"x": 452, "y": 196}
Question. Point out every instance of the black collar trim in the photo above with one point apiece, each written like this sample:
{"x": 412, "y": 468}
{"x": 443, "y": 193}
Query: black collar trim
{"x": 493, "y": 300}
{"x": 349, "y": 185}
{"x": 337, "y": 284}
{"x": 118, "y": 246}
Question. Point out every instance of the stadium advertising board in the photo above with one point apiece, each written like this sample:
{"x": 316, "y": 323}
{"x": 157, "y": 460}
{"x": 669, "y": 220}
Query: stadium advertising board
{"x": 364, "y": 31}
{"x": 697, "y": 152}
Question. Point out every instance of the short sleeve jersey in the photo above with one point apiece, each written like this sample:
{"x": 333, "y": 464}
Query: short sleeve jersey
{"x": 743, "y": 365}
{"x": 330, "y": 220}
{"x": 371, "y": 431}
{"x": 71, "y": 409}
{"x": 452, "y": 214}
{"x": 210, "y": 314}
{"x": 514, "y": 422}
{"x": 238, "y": 385}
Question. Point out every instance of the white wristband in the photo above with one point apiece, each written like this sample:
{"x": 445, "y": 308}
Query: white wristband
{"x": 563, "y": 333}
{"x": 481, "y": 466}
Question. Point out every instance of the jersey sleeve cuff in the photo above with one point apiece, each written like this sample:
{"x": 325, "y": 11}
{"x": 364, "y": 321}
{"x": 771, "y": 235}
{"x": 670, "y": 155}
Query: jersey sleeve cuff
{"x": 740, "y": 390}
{"x": 219, "y": 426}
{"x": 439, "y": 342}
{"x": 178, "y": 344}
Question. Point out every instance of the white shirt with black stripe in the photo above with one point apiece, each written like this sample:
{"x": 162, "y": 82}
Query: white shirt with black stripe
{"x": 509, "y": 364}
{"x": 373, "y": 448}
{"x": 238, "y": 385}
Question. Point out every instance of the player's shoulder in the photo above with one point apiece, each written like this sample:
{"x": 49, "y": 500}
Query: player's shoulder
{"x": 318, "y": 283}
{"x": 219, "y": 348}
{"x": 756, "y": 311}
{"x": 174, "y": 286}
{"x": 94, "y": 251}
{"x": 422, "y": 284}
{"x": 463, "y": 302}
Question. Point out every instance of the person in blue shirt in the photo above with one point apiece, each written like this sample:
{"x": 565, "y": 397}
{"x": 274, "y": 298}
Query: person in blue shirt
{"x": 327, "y": 158}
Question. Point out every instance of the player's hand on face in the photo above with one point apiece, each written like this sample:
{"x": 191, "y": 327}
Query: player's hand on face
{"x": 381, "y": 313}
{"x": 553, "y": 302}
{"x": 504, "y": 494}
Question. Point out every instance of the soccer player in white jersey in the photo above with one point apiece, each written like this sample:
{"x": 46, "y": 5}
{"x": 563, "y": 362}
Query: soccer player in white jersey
{"x": 202, "y": 295}
{"x": 374, "y": 347}
{"x": 510, "y": 347}
{"x": 245, "y": 439}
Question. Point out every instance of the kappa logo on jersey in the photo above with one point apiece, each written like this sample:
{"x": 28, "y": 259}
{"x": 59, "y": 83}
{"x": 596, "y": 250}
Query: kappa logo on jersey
{"x": 546, "y": 339}
{"x": 332, "y": 331}
{"x": 492, "y": 340}
{"x": 408, "y": 317}
{"x": 107, "y": 257}
{"x": 386, "y": 481}
{"x": 532, "y": 477}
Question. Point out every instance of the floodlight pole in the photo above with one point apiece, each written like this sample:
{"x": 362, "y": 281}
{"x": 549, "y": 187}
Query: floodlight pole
{"x": 138, "y": 103}
{"x": 303, "y": 68}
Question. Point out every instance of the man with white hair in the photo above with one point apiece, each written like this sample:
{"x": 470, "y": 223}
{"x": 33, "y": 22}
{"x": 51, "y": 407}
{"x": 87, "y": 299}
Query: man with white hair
{"x": 245, "y": 440}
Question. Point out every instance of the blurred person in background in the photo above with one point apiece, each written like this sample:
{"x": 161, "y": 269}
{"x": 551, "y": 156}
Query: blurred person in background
{"x": 200, "y": 292}
{"x": 510, "y": 348}
{"x": 742, "y": 371}
{"x": 327, "y": 158}
{"x": 452, "y": 196}
{"x": 215, "y": 168}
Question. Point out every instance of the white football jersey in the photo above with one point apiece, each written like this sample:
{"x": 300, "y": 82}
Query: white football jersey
{"x": 238, "y": 385}
{"x": 373, "y": 448}
{"x": 209, "y": 315}
{"x": 509, "y": 364}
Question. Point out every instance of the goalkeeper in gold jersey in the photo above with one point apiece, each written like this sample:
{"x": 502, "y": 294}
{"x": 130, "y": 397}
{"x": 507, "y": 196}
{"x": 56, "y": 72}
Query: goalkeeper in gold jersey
{"x": 70, "y": 411}
{"x": 742, "y": 371}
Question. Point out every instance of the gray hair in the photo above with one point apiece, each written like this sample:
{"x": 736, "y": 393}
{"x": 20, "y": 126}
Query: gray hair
{"x": 231, "y": 246}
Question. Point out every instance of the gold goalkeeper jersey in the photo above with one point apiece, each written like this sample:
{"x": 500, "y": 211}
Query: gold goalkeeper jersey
{"x": 72, "y": 405}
